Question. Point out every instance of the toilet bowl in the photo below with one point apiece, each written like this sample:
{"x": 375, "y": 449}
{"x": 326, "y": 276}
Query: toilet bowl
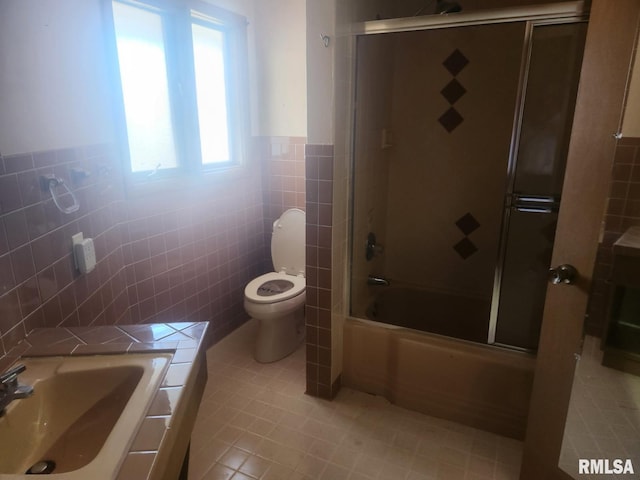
{"x": 276, "y": 299}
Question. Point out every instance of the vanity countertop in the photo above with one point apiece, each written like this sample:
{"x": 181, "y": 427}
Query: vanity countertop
{"x": 629, "y": 243}
{"x": 187, "y": 342}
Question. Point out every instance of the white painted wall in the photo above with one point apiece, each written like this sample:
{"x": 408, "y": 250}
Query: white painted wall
{"x": 280, "y": 29}
{"x": 320, "y": 71}
{"x": 277, "y": 64}
{"x": 53, "y": 75}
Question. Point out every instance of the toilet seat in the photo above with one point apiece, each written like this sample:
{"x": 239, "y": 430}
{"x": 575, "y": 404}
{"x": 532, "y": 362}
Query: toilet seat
{"x": 255, "y": 294}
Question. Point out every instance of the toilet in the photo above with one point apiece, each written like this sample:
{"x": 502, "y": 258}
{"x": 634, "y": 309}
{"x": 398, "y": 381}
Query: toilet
{"x": 276, "y": 300}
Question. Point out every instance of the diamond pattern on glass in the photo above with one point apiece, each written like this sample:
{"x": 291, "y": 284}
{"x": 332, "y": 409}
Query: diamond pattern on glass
{"x": 465, "y": 248}
{"x": 455, "y": 62}
{"x": 450, "y": 119}
{"x": 467, "y": 224}
{"x": 453, "y": 91}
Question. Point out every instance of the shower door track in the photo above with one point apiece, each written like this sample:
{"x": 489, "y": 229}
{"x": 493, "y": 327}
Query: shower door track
{"x": 562, "y": 12}
{"x": 533, "y": 15}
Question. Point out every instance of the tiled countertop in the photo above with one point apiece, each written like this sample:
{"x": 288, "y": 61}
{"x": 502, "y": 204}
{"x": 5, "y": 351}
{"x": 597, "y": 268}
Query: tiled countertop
{"x": 185, "y": 340}
{"x": 628, "y": 243}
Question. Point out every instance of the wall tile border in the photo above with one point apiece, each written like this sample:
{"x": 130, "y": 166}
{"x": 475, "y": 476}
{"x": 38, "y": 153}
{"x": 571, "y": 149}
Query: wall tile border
{"x": 319, "y": 207}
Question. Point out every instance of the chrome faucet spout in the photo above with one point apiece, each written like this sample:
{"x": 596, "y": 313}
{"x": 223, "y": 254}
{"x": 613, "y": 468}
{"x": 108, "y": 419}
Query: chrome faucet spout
{"x": 10, "y": 389}
{"x": 377, "y": 281}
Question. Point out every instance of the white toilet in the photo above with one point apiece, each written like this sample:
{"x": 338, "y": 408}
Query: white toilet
{"x": 276, "y": 300}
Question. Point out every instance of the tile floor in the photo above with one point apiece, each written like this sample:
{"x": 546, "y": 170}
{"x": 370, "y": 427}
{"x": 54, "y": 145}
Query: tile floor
{"x": 604, "y": 414}
{"x": 255, "y": 422}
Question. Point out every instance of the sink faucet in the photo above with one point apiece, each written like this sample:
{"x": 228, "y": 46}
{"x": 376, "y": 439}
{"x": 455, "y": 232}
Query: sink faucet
{"x": 10, "y": 389}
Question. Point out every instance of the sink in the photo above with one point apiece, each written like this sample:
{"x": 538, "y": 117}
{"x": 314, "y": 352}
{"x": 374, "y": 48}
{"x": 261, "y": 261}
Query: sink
{"x": 83, "y": 415}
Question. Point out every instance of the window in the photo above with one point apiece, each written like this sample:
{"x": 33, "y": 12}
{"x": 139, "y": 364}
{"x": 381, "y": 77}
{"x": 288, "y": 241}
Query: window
{"x": 181, "y": 73}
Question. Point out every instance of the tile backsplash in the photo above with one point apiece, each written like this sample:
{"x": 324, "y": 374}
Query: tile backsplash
{"x": 39, "y": 285}
{"x": 175, "y": 256}
{"x": 623, "y": 211}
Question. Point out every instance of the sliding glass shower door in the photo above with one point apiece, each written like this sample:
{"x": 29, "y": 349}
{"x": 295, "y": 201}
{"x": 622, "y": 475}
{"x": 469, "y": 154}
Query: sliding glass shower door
{"x": 541, "y": 143}
{"x": 434, "y": 119}
{"x": 461, "y": 136}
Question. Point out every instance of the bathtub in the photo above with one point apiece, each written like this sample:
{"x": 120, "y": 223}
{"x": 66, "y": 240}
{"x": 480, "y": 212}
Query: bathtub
{"x": 441, "y": 313}
{"x": 478, "y": 385}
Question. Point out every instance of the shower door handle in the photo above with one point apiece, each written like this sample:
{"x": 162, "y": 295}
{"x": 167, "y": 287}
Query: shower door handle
{"x": 563, "y": 274}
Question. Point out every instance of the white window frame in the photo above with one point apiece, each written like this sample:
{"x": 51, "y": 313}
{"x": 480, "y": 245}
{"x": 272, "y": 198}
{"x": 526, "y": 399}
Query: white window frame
{"x": 178, "y": 16}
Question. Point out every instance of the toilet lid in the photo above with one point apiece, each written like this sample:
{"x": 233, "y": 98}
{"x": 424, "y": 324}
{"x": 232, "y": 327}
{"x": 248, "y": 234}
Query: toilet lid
{"x": 274, "y": 287}
{"x": 287, "y": 242}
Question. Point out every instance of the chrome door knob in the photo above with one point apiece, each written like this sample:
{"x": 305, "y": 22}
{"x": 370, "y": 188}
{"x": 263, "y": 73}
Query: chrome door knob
{"x": 563, "y": 274}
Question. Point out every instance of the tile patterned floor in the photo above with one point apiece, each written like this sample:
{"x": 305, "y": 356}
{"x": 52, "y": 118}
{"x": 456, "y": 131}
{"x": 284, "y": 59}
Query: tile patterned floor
{"x": 255, "y": 422}
{"x": 604, "y": 414}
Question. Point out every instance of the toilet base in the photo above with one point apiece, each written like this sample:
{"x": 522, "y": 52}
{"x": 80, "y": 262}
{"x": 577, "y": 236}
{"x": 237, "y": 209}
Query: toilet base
{"x": 279, "y": 337}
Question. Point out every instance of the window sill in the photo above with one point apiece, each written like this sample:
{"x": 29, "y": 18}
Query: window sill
{"x": 191, "y": 182}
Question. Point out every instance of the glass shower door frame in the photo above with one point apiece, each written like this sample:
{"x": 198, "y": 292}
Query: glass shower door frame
{"x": 533, "y": 16}
{"x": 562, "y": 12}
{"x": 511, "y": 199}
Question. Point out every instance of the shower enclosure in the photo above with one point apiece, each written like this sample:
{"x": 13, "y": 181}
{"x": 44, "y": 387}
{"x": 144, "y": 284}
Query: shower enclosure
{"x": 462, "y": 126}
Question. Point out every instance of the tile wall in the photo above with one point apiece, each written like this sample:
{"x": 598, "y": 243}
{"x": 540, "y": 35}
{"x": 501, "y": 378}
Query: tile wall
{"x": 283, "y": 180}
{"x": 181, "y": 256}
{"x": 319, "y": 205}
{"x": 446, "y": 157}
{"x": 623, "y": 211}
{"x": 39, "y": 285}
{"x": 189, "y": 254}
{"x": 295, "y": 175}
